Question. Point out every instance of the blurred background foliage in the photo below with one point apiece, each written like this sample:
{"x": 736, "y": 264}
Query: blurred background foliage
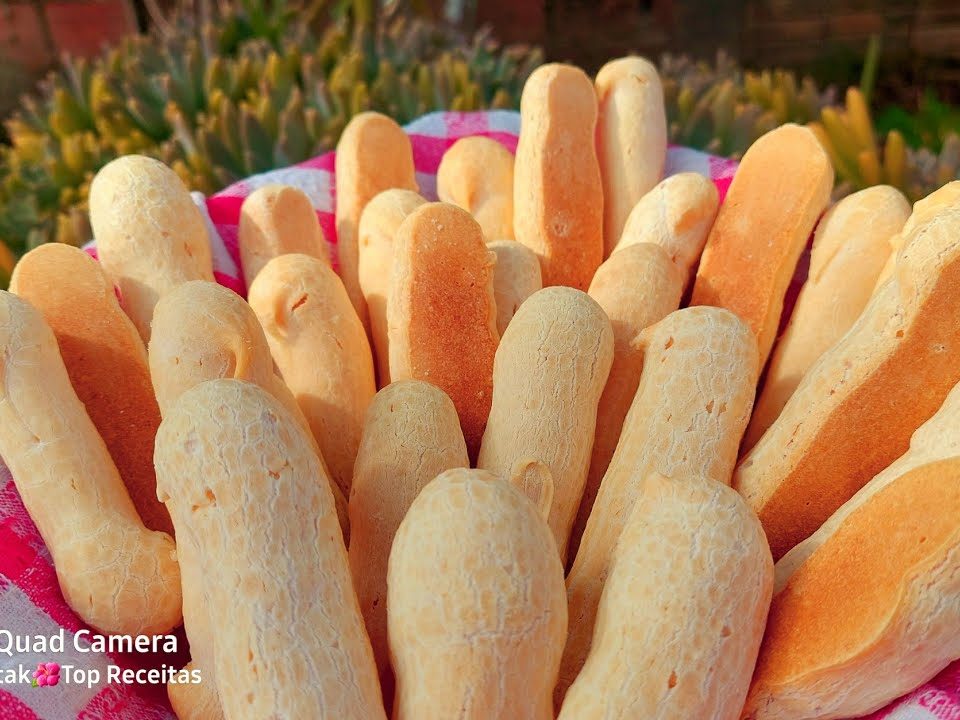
{"x": 223, "y": 89}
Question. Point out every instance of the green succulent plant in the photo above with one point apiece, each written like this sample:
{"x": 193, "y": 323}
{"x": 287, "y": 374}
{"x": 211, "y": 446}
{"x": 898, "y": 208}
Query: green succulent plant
{"x": 221, "y": 91}
{"x": 862, "y": 156}
{"x": 722, "y": 108}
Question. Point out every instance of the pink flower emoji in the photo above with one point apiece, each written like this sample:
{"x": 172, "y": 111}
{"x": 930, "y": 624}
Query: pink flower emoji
{"x": 46, "y": 674}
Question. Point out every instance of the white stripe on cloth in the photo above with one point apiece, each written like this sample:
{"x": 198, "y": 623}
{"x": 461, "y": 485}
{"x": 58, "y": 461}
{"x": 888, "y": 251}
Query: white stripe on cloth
{"x": 21, "y": 617}
{"x": 222, "y": 262}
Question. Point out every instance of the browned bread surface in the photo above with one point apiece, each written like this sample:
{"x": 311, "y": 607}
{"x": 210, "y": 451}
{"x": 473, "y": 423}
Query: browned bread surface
{"x": 441, "y": 314}
{"x": 779, "y": 191}
{"x": 106, "y": 362}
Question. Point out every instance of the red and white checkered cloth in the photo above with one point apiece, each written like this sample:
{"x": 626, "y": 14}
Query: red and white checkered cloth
{"x": 30, "y": 599}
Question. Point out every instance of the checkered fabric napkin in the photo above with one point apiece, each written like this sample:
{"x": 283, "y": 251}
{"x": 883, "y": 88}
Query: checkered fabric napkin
{"x": 30, "y": 599}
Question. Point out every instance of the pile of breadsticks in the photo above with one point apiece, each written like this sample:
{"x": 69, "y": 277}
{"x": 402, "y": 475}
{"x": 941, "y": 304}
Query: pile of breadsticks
{"x": 563, "y": 499}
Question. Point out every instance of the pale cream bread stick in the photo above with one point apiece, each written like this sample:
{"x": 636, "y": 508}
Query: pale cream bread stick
{"x": 150, "y": 235}
{"x": 276, "y": 220}
{"x": 873, "y": 612}
{"x": 441, "y": 313}
{"x": 562, "y": 339}
{"x": 476, "y": 173}
{"x": 683, "y": 610}
{"x": 558, "y": 193}
{"x": 203, "y": 331}
{"x": 373, "y": 154}
{"x": 923, "y": 210}
{"x": 516, "y": 277}
{"x": 781, "y": 187}
{"x": 676, "y": 215}
{"x": 636, "y": 287}
{"x": 475, "y": 603}
{"x": 319, "y": 345}
{"x": 378, "y": 226}
{"x": 117, "y": 575}
{"x": 241, "y": 473}
{"x": 411, "y": 435}
{"x": 856, "y": 408}
{"x": 687, "y": 418}
{"x": 105, "y": 359}
{"x": 631, "y": 138}
{"x": 851, "y": 245}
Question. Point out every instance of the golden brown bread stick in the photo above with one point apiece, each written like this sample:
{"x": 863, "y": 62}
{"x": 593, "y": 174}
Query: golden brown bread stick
{"x": 686, "y": 420}
{"x": 475, "y": 604}
{"x": 855, "y": 410}
{"x": 873, "y": 612}
{"x": 631, "y": 138}
{"x": 106, "y": 362}
{"x": 276, "y": 220}
{"x": 937, "y": 439}
{"x": 558, "y": 194}
{"x": 373, "y": 155}
{"x": 516, "y": 276}
{"x": 150, "y": 235}
{"x": 676, "y": 215}
{"x": 851, "y": 245}
{"x": 476, "y": 173}
{"x": 322, "y": 352}
{"x": 636, "y": 287}
{"x": 683, "y": 610}
{"x": 441, "y": 314}
{"x": 782, "y": 185}
{"x": 240, "y": 473}
{"x": 550, "y": 369}
{"x": 378, "y": 226}
{"x": 411, "y": 435}
{"x": 117, "y": 575}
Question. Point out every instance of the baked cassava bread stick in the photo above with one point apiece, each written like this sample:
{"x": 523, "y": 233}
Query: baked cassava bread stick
{"x": 676, "y": 215}
{"x": 203, "y": 331}
{"x": 686, "y": 420}
{"x": 856, "y": 408}
{"x": 117, "y": 575}
{"x": 373, "y": 155}
{"x": 942, "y": 198}
{"x": 476, "y": 173}
{"x": 150, "y": 235}
{"x": 561, "y": 338}
{"x": 105, "y": 359}
{"x": 631, "y": 138}
{"x": 781, "y": 187}
{"x": 475, "y": 603}
{"x": 378, "y": 227}
{"x": 411, "y": 435}
{"x": 276, "y": 220}
{"x": 683, "y": 610}
{"x": 557, "y": 191}
{"x": 516, "y": 277}
{"x": 322, "y": 352}
{"x": 441, "y": 315}
{"x": 849, "y": 249}
{"x": 937, "y": 439}
{"x": 636, "y": 287}
{"x": 236, "y": 469}
{"x": 873, "y": 612}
